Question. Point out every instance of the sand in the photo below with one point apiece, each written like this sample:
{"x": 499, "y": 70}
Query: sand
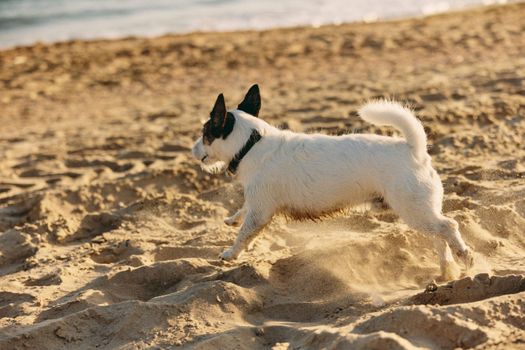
{"x": 110, "y": 231}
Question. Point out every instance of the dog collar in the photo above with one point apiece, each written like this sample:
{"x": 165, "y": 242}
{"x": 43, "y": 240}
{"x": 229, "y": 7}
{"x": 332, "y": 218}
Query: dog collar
{"x": 234, "y": 163}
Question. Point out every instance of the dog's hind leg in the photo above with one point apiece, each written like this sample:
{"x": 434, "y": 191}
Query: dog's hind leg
{"x": 253, "y": 223}
{"x": 422, "y": 213}
{"x": 449, "y": 230}
{"x": 449, "y": 269}
{"x": 236, "y": 218}
{"x": 443, "y": 228}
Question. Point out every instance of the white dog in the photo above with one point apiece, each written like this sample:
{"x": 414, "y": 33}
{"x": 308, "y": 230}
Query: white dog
{"x": 311, "y": 175}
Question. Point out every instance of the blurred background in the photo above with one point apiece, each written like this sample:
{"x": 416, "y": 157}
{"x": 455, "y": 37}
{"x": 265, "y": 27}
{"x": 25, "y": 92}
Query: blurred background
{"x": 24, "y": 22}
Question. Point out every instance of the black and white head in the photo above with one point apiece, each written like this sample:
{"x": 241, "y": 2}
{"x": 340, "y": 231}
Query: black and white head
{"x": 225, "y": 133}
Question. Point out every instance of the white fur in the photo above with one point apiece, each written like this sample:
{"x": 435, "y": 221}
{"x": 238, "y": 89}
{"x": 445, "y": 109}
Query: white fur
{"x": 313, "y": 174}
{"x": 393, "y": 114}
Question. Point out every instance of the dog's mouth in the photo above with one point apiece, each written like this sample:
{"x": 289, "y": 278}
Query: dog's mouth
{"x": 204, "y": 158}
{"x": 214, "y": 168}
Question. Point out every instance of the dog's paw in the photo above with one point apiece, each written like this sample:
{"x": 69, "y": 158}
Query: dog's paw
{"x": 231, "y": 221}
{"x": 228, "y": 255}
{"x": 466, "y": 258}
{"x": 450, "y": 270}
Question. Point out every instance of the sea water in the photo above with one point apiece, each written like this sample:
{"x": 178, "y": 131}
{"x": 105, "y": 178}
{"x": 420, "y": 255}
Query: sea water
{"x": 24, "y": 22}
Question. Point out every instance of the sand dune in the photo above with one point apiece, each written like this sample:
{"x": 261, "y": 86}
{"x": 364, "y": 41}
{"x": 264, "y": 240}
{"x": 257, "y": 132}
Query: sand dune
{"x": 110, "y": 231}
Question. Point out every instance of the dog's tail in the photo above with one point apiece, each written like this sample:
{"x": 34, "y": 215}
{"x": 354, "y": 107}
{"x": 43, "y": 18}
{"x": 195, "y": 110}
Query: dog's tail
{"x": 401, "y": 118}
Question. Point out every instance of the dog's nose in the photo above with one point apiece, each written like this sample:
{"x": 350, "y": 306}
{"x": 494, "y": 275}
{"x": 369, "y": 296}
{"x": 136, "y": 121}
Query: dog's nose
{"x": 204, "y": 158}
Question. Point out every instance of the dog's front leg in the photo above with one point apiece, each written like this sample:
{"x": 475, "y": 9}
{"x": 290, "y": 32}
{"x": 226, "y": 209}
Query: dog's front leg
{"x": 253, "y": 224}
{"x": 236, "y": 218}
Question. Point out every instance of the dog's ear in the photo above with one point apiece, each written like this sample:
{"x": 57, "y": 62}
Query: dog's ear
{"x": 217, "y": 116}
{"x": 221, "y": 121}
{"x": 252, "y": 101}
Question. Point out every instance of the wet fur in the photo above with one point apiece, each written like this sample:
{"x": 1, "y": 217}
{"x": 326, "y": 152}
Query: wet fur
{"x": 301, "y": 215}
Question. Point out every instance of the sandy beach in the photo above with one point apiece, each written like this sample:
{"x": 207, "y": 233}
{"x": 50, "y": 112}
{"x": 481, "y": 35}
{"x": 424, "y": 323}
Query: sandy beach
{"x": 110, "y": 232}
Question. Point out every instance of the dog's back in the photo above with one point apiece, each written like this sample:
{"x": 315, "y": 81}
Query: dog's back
{"x": 313, "y": 174}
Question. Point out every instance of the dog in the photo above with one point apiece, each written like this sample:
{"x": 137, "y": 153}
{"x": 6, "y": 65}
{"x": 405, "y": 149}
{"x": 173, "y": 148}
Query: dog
{"x": 312, "y": 175}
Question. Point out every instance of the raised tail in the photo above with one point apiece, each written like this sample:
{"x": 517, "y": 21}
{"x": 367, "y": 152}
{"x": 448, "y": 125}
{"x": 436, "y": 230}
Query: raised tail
{"x": 401, "y": 118}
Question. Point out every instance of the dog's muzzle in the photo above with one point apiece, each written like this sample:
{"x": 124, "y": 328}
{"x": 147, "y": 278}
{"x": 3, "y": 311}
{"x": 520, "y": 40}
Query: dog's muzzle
{"x": 198, "y": 150}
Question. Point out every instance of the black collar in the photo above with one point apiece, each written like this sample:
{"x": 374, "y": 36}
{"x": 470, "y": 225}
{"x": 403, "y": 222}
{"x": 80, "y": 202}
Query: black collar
{"x": 234, "y": 163}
